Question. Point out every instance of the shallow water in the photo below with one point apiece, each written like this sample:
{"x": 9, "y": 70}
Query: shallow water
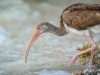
{"x": 49, "y": 54}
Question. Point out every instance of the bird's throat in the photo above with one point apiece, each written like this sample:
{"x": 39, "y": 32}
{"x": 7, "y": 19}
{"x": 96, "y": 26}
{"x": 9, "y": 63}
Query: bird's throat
{"x": 58, "y": 31}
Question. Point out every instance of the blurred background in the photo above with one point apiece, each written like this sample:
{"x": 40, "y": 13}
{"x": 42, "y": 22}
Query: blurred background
{"x": 49, "y": 54}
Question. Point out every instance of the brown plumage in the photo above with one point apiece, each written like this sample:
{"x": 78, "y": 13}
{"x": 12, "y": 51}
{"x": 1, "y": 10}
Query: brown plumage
{"x": 81, "y": 16}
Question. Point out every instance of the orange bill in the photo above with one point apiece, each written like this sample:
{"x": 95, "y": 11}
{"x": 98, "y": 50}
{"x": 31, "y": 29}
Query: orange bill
{"x": 31, "y": 42}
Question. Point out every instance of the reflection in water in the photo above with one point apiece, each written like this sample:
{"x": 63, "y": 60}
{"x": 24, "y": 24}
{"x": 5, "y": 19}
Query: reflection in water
{"x": 50, "y": 54}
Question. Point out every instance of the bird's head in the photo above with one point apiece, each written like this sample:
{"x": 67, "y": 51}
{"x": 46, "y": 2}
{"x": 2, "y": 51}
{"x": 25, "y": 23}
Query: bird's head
{"x": 41, "y": 28}
{"x": 44, "y": 27}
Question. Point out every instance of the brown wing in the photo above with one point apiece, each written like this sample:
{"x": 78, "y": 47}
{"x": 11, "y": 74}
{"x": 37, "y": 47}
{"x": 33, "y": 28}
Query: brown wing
{"x": 82, "y": 19}
{"x": 82, "y": 6}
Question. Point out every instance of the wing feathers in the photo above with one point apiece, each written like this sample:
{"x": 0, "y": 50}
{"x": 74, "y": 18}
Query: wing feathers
{"x": 81, "y": 19}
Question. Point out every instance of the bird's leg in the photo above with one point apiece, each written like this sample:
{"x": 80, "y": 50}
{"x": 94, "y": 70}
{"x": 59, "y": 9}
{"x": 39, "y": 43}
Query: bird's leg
{"x": 82, "y": 52}
{"x": 92, "y": 51}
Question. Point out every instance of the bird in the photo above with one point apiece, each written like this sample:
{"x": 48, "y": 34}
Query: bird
{"x": 82, "y": 19}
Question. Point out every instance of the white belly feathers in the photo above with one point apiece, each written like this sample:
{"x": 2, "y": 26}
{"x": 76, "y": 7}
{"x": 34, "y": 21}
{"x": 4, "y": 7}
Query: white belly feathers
{"x": 94, "y": 29}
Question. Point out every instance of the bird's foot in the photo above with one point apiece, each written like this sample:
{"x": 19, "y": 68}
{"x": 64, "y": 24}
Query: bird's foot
{"x": 73, "y": 59}
{"x": 90, "y": 72}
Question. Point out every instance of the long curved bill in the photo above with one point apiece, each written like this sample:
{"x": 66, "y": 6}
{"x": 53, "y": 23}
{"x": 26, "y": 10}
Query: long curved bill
{"x": 31, "y": 42}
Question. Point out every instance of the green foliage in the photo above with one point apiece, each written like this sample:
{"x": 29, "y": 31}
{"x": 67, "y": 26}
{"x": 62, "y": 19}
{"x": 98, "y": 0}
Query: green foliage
{"x": 87, "y": 55}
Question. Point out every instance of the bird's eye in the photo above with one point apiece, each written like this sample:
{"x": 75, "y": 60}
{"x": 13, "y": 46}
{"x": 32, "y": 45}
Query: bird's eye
{"x": 38, "y": 27}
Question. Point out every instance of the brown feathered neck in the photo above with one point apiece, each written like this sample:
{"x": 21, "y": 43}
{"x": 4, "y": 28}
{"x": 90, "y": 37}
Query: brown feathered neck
{"x": 59, "y": 31}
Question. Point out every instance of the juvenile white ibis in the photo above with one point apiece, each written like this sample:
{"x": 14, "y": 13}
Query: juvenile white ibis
{"x": 79, "y": 18}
